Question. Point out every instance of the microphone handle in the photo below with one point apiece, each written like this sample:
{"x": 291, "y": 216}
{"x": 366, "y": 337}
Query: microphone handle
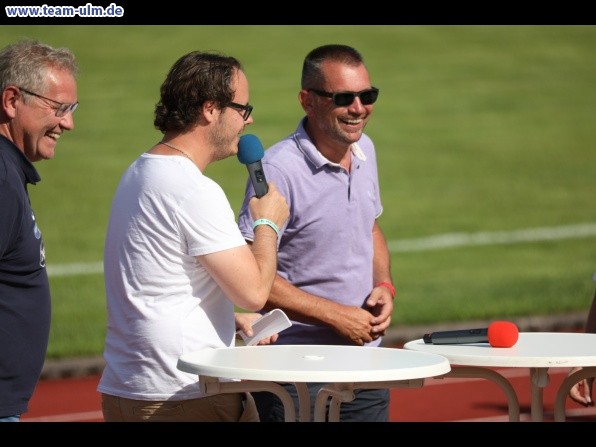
{"x": 458, "y": 337}
{"x": 257, "y": 178}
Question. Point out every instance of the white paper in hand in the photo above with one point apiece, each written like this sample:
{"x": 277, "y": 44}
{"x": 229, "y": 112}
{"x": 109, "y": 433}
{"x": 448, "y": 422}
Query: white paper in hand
{"x": 269, "y": 324}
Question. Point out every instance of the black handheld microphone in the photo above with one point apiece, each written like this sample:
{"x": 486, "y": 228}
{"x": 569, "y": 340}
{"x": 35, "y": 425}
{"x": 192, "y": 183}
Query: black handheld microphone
{"x": 500, "y": 334}
{"x": 250, "y": 152}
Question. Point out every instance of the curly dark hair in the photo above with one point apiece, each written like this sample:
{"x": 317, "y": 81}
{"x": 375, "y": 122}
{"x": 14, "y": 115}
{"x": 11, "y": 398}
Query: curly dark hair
{"x": 195, "y": 78}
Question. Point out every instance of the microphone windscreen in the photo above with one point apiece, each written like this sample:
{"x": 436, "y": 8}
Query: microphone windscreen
{"x": 502, "y": 334}
{"x": 250, "y": 149}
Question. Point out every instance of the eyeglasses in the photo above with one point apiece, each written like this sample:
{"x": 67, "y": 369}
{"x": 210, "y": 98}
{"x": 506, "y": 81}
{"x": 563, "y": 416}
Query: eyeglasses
{"x": 343, "y": 99}
{"x": 246, "y": 108}
{"x": 62, "y": 109}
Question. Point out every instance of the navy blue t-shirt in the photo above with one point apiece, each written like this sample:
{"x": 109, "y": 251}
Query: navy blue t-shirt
{"x": 25, "y": 306}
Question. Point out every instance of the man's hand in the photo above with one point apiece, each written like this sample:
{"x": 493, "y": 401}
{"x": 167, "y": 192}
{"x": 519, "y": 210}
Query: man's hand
{"x": 581, "y": 392}
{"x": 244, "y": 321}
{"x": 380, "y": 305}
{"x": 363, "y": 325}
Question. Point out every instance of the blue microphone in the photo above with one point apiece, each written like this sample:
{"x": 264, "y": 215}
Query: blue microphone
{"x": 250, "y": 152}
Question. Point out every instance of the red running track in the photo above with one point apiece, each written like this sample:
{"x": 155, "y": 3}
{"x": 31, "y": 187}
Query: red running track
{"x": 439, "y": 400}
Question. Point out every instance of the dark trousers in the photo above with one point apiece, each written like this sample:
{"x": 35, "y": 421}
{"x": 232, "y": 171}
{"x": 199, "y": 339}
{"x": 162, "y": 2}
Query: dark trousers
{"x": 368, "y": 405}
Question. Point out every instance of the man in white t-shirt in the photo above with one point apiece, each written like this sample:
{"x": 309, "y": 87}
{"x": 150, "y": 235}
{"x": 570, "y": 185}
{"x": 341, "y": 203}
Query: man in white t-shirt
{"x": 175, "y": 261}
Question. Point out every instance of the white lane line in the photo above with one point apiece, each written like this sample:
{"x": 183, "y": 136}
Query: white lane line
{"x": 548, "y": 416}
{"x": 81, "y": 268}
{"x": 450, "y": 240}
{"x": 68, "y": 417}
{"x": 438, "y": 242}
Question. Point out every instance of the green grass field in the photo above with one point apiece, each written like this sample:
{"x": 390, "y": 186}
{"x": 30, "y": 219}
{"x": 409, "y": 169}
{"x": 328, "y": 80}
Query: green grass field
{"x": 479, "y": 129}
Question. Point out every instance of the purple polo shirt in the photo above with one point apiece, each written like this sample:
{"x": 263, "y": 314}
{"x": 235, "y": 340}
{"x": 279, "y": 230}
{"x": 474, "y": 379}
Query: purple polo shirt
{"x": 326, "y": 246}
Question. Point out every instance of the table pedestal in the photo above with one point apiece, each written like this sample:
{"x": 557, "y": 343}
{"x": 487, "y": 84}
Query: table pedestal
{"x": 211, "y": 385}
{"x": 344, "y": 392}
{"x": 489, "y": 374}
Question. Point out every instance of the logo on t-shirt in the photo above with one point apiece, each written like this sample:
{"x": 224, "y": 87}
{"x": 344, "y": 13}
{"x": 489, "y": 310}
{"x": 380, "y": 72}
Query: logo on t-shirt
{"x": 36, "y": 230}
{"x": 37, "y": 234}
{"x": 42, "y": 255}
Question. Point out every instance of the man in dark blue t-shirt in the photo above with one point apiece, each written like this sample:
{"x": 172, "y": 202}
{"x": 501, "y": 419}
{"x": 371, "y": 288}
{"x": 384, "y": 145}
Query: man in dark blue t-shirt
{"x": 39, "y": 95}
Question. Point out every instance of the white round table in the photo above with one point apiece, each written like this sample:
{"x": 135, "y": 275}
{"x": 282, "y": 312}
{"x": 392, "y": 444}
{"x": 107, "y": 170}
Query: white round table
{"x": 538, "y": 351}
{"x": 344, "y": 368}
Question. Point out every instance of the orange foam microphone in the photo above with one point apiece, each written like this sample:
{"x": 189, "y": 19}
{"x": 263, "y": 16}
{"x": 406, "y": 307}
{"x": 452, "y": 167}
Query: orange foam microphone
{"x": 500, "y": 334}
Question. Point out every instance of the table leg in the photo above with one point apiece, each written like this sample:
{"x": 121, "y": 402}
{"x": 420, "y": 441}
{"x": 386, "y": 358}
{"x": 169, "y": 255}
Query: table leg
{"x": 567, "y": 384}
{"x": 339, "y": 392}
{"x": 303, "y": 401}
{"x": 211, "y": 385}
{"x": 344, "y": 392}
{"x": 539, "y": 378}
{"x": 493, "y": 376}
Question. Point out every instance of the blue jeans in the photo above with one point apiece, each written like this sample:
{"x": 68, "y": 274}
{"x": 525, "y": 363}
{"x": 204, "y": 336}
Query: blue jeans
{"x": 15, "y": 418}
{"x": 368, "y": 405}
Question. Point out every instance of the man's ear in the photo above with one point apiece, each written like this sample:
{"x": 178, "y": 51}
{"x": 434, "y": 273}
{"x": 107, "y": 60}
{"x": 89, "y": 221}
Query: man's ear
{"x": 306, "y": 100}
{"x": 10, "y": 96}
{"x": 210, "y": 111}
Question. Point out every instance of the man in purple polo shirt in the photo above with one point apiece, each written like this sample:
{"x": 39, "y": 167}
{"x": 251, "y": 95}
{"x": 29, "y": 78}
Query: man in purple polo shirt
{"x": 334, "y": 273}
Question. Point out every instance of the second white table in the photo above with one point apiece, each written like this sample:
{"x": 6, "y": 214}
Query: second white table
{"x": 537, "y": 351}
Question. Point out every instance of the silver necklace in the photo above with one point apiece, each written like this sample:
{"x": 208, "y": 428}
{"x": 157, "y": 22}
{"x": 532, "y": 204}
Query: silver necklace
{"x": 176, "y": 149}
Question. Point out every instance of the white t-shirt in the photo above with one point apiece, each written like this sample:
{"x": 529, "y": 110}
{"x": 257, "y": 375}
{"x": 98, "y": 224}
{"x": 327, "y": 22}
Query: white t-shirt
{"x": 161, "y": 302}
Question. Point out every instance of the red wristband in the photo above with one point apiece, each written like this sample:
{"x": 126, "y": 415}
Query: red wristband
{"x": 389, "y": 286}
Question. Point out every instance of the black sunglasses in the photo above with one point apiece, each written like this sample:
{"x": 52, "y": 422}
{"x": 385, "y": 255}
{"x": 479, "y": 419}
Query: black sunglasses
{"x": 246, "y": 108}
{"x": 343, "y": 99}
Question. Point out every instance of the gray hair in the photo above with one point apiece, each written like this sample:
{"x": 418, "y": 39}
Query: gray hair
{"x": 26, "y": 64}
